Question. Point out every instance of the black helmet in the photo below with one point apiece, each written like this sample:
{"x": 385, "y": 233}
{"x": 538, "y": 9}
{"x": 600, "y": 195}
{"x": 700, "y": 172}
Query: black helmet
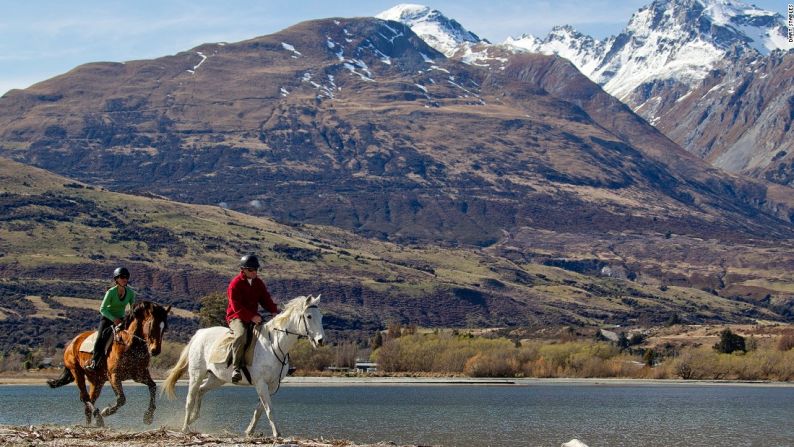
{"x": 121, "y": 272}
{"x": 249, "y": 262}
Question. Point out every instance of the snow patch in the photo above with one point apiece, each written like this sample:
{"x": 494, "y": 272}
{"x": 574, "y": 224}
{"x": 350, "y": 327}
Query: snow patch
{"x": 203, "y": 58}
{"x": 289, "y": 47}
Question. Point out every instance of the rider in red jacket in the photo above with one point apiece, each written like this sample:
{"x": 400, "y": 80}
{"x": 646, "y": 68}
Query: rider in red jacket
{"x": 246, "y": 293}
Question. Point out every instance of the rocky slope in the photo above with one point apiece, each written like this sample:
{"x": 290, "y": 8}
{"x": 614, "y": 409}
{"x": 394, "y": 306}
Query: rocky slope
{"x": 56, "y": 228}
{"x": 721, "y": 65}
{"x": 714, "y": 76}
{"x": 358, "y": 124}
{"x": 739, "y": 118}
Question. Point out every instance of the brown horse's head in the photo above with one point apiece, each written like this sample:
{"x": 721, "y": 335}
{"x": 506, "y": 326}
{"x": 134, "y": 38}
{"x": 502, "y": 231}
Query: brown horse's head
{"x": 149, "y": 322}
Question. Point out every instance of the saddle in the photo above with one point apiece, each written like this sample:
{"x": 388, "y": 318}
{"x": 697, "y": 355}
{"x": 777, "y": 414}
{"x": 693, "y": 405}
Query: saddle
{"x": 221, "y": 350}
{"x": 88, "y": 343}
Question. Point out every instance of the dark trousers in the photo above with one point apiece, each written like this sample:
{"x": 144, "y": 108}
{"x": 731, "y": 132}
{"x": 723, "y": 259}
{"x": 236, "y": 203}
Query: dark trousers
{"x": 103, "y": 333}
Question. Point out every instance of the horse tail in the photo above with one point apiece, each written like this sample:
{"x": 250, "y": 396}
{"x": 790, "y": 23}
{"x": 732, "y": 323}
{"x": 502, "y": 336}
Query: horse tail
{"x": 66, "y": 377}
{"x": 176, "y": 372}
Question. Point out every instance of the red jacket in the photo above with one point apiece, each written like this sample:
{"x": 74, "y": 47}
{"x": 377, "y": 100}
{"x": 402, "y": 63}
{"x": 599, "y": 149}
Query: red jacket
{"x": 244, "y": 299}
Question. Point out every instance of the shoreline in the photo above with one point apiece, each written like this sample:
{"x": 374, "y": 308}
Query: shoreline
{"x": 292, "y": 381}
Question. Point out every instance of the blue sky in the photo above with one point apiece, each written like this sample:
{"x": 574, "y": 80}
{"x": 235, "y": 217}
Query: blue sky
{"x": 40, "y": 39}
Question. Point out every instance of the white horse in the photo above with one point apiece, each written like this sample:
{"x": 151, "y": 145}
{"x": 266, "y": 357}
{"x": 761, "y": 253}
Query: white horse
{"x": 301, "y": 318}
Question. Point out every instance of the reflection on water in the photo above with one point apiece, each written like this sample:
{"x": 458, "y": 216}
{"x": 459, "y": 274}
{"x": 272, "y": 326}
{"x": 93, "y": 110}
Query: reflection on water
{"x": 465, "y": 415}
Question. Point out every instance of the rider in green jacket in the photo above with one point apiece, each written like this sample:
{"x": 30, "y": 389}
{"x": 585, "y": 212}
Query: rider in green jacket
{"x": 116, "y": 300}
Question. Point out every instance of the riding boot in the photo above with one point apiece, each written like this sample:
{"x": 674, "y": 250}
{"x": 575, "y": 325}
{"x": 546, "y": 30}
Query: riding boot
{"x": 237, "y": 375}
{"x": 96, "y": 359}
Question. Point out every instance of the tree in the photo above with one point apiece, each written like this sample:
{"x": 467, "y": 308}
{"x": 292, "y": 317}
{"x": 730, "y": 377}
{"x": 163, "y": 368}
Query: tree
{"x": 730, "y": 342}
{"x": 213, "y": 310}
{"x": 649, "y": 357}
{"x": 637, "y": 339}
{"x": 673, "y": 320}
{"x": 345, "y": 354}
{"x": 376, "y": 341}
{"x": 394, "y": 330}
{"x": 786, "y": 342}
{"x": 623, "y": 341}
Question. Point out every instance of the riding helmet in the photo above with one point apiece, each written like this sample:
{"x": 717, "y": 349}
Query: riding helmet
{"x": 121, "y": 272}
{"x": 249, "y": 262}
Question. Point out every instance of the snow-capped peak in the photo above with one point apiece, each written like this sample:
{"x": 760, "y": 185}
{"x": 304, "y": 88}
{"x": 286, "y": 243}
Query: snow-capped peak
{"x": 678, "y": 41}
{"x": 721, "y": 23}
{"x": 764, "y": 28}
{"x": 584, "y": 51}
{"x": 443, "y": 34}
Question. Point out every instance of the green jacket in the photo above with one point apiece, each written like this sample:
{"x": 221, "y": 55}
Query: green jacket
{"x": 112, "y": 307}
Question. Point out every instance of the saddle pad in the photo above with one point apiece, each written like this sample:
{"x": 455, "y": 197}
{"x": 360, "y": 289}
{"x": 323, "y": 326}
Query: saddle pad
{"x": 221, "y": 350}
{"x": 88, "y": 344}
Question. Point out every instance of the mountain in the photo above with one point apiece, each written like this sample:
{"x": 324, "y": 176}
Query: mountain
{"x": 739, "y": 118}
{"x": 668, "y": 43}
{"x": 62, "y": 238}
{"x": 357, "y": 124}
{"x": 584, "y": 51}
{"x": 440, "y": 32}
{"x": 518, "y": 160}
{"x": 707, "y": 60}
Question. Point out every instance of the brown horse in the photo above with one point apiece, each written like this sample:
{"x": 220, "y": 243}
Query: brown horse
{"x": 133, "y": 346}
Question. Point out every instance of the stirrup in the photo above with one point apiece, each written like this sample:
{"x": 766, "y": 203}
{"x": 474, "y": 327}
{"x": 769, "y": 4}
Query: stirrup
{"x": 237, "y": 375}
{"x": 92, "y": 366}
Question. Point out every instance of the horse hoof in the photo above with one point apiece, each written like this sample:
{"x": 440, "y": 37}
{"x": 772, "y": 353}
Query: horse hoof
{"x": 148, "y": 418}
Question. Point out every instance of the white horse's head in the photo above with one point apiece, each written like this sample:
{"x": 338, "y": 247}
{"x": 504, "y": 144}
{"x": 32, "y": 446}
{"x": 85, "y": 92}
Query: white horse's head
{"x": 301, "y": 317}
{"x": 313, "y": 321}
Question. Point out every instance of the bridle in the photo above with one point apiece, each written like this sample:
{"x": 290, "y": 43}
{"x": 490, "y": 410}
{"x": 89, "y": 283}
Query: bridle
{"x": 284, "y": 359}
{"x": 303, "y": 320}
{"x": 118, "y": 328}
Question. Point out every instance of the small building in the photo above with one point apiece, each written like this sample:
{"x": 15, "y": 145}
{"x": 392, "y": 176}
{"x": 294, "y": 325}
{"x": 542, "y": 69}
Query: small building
{"x": 46, "y": 362}
{"x": 364, "y": 367}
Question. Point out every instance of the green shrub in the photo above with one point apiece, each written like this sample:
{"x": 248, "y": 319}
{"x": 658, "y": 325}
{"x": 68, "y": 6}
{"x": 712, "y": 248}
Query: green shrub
{"x": 730, "y": 342}
{"x": 306, "y": 358}
{"x": 213, "y": 310}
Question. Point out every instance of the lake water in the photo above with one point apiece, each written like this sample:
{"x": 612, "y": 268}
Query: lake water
{"x": 524, "y": 414}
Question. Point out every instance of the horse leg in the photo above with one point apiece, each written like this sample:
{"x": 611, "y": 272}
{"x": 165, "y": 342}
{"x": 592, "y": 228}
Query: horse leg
{"x": 115, "y": 383}
{"x": 193, "y": 397}
{"x": 257, "y": 413}
{"x": 263, "y": 391}
{"x": 79, "y": 377}
{"x": 210, "y": 384}
{"x": 148, "y": 416}
{"x": 96, "y": 388}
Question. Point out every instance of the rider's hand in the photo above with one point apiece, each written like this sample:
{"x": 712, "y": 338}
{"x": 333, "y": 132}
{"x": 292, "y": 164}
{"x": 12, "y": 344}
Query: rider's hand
{"x": 257, "y": 319}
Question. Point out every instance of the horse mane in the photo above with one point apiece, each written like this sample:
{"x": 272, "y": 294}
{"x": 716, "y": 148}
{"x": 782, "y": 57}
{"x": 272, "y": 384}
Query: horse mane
{"x": 137, "y": 313}
{"x": 292, "y": 306}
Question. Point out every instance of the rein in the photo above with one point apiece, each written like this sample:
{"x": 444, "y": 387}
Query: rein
{"x": 305, "y": 325}
{"x": 117, "y": 329}
{"x": 284, "y": 360}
